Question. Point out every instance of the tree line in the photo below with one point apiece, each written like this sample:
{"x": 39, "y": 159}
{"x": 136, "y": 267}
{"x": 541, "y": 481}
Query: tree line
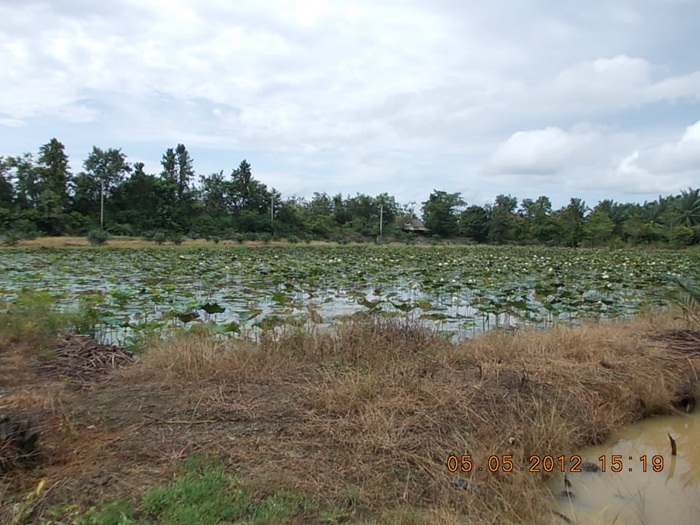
{"x": 40, "y": 195}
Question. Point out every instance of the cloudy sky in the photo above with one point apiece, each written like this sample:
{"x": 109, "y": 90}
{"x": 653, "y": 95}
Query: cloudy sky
{"x": 596, "y": 99}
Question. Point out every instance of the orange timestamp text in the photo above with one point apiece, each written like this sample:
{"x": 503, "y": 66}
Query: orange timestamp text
{"x": 552, "y": 463}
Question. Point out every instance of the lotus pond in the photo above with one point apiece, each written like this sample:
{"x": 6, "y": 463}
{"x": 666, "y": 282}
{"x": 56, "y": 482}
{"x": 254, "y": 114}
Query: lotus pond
{"x": 243, "y": 291}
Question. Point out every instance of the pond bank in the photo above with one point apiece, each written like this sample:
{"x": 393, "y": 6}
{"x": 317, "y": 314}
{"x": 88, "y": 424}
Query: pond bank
{"x": 364, "y": 420}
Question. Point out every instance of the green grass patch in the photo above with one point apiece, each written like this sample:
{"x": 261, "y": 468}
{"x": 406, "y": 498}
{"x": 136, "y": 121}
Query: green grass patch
{"x": 205, "y": 494}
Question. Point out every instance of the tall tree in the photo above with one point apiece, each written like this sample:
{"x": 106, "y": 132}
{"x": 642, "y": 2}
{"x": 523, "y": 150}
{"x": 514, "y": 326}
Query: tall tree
{"x": 501, "y": 219}
{"x": 440, "y": 212}
{"x": 318, "y": 214}
{"x": 185, "y": 171}
{"x": 214, "y": 193}
{"x": 26, "y": 176}
{"x": 542, "y": 227}
{"x": 7, "y": 191}
{"x": 53, "y": 170}
{"x": 473, "y": 223}
{"x": 571, "y": 219}
{"x": 688, "y": 208}
{"x": 106, "y": 168}
{"x": 141, "y": 202}
{"x": 246, "y": 193}
{"x": 599, "y": 228}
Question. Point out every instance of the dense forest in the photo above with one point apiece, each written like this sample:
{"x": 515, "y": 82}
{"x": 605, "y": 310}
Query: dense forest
{"x": 39, "y": 195}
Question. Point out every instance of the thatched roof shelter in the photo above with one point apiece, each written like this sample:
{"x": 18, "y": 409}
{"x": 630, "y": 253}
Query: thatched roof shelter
{"x": 414, "y": 225}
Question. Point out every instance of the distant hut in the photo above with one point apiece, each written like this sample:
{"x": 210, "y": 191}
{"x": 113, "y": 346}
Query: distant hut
{"x": 414, "y": 226}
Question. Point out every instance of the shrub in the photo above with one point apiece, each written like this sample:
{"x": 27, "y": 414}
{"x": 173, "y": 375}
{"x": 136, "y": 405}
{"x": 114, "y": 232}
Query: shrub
{"x": 25, "y": 228}
{"x": 177, "y": 238}
{"x": 97, "y": 236}
{"x": 682, "y": 236}
{"x": 158, "y": 238}
{"x": 10, "y": 238}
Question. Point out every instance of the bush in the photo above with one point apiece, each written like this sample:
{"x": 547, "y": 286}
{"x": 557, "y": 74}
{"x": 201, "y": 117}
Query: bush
{"x": 237, "y": 237}
{"x": 97, "y": 236}
{"x": 124, "y": 230}
{"x": 340, "y": 239}
{"x": 682, "y": 236}
{"x": 158, "y": 238}
{"x": 10, "y": 238}
{"x": 25, "y": 228}
{"x": 177, "y": 238}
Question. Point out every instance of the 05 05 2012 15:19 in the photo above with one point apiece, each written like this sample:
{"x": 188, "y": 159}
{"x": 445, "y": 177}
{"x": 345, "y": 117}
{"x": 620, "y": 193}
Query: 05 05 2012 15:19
{"x": 550, "y": 463}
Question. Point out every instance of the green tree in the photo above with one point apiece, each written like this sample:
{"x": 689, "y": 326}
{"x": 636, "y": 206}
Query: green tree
{"x": 106, "y": 168}
{"x": 168, "y": 174}
{"x": 7, "y": 190}
{"x": 289, "y": 217}
{"x": 23, "y": 171}
{"x": 571, "y": 220}
{"x": 49, "y": 213}
{"x": 474, "y": 223}
{"x": 688, "y": 208}
{"x": 53, "y": 170}
{"x": 142, "y": 203}
{"x": 440, "y": 213}
{"x": 185, "y": 171}
{"x": 247, "y": 193}
{"x": 214, "y": 189}
{"x": 501, "y": 219}
{"x": 599, "y": 228}
{"x": 362, "y": 213}
{"x": 318, "y": 214}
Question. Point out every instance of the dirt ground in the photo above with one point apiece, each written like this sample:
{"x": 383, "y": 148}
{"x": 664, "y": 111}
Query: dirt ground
{"x": 104, "y": 438}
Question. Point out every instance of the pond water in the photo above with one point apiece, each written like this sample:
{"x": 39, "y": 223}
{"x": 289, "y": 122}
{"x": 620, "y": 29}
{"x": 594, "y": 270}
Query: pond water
{"x": 652, "y": 487}
{"x": 130, "y": 294}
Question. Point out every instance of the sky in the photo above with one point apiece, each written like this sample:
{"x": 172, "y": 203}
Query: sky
{"x": 595, "y": 100}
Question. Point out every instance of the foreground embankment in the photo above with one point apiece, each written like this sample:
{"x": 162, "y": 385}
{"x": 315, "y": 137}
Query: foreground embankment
{"x": 354, "y": 426}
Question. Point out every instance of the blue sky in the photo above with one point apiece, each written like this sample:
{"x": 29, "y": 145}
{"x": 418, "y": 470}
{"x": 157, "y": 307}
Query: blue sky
{"x": 567, "y": 99}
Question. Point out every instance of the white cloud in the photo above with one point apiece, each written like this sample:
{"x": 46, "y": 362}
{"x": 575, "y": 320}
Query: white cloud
{"x": 616, "y": 83}
{"x": 539, "y": 152}
{"x": 670, "y": 164}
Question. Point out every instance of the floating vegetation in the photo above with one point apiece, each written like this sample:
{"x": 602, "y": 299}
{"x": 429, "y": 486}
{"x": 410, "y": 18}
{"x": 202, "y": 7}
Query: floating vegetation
{"x": 241, "y": 291}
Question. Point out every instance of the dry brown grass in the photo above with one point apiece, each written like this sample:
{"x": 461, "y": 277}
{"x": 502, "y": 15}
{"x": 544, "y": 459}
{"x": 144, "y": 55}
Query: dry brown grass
{"x": 367, "y": 416}
{"x": 379, "y": 406}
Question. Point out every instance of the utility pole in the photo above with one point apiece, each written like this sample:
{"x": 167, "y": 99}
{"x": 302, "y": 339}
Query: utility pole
{"x": 272, "y": 212}
{"x": 381, "y": 219}
{"x": 102, "y": 204}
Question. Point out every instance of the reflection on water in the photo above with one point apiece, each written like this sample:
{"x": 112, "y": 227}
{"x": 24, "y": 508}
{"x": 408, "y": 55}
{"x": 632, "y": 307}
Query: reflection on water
{"x": 633, "y": 496}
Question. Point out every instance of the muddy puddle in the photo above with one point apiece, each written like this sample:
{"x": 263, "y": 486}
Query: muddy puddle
{"x": 638, "y": 480}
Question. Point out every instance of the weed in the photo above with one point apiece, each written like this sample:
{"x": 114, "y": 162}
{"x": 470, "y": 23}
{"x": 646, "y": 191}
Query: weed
{"x": 31, "y": 318}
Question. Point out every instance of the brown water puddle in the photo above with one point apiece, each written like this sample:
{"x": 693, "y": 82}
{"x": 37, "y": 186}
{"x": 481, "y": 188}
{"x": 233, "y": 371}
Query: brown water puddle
{"x": 667, "y": 492}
